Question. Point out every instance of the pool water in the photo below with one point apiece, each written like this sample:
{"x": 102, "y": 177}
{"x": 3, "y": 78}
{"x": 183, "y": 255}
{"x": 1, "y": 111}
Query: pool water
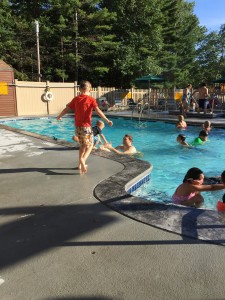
{"x": 157, "y": 142}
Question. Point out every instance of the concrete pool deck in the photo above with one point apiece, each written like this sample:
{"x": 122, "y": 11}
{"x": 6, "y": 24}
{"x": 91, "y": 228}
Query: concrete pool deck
{"x": 59, "y": 242}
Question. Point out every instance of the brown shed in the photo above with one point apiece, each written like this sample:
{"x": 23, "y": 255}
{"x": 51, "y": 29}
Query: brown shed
{"x": 7, "y": 90}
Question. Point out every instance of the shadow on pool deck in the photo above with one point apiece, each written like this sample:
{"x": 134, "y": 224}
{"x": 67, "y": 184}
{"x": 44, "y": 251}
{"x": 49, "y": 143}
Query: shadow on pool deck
{"x": 48, "y": 227}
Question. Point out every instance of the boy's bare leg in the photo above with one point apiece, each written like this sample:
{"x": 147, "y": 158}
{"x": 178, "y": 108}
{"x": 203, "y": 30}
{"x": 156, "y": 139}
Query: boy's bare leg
{"x": 83, "y": 156}
{"x": 87, "y": 152}
{"x": 82, "y": 165}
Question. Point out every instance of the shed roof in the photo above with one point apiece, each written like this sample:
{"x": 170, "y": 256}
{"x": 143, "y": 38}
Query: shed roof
{"x": 4, "y": 66}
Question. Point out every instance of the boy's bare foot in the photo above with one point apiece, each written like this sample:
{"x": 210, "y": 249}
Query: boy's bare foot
{"x": 80, "y": 167}
{"x": 83, "y": 170}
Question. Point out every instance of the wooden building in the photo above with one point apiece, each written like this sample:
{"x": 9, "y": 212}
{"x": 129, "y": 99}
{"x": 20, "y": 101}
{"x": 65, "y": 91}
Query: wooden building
{"x": 7, "y": 91}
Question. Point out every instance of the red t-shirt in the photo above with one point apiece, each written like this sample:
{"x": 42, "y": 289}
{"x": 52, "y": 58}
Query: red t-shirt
{"x": 83, "y": 106}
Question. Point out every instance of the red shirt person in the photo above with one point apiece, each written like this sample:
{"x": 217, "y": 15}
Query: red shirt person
{"x": 83, "y": 106}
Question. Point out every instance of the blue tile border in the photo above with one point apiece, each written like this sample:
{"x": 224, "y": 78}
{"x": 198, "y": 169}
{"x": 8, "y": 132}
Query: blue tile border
{"x": 138, "y": 184}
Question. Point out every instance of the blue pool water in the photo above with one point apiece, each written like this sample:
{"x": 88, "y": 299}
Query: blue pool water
{"x": 157, "y": 142}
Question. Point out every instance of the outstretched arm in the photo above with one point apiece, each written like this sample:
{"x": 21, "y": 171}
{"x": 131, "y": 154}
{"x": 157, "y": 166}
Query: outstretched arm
{"x": 102, "y": 115}
{"x": 104, "y": 139}
{"x": 63, "y": 112}
{"x": 211, "y": 187}
{"x": 131, "y": 150}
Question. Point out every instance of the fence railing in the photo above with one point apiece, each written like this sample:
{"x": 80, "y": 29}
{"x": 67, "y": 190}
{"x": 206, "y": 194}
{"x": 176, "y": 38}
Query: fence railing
{"x": 30, "y": 96}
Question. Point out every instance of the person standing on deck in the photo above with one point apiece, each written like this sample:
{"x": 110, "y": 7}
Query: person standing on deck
{"x": 83, "y": 105}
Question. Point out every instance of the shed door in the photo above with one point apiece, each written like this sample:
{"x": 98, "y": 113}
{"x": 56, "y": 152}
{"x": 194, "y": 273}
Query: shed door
{"x": 7, "y": 94}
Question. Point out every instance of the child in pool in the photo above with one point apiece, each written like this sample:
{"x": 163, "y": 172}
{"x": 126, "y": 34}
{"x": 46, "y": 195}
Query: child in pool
{"x": 201, "y": 139}
{"x": 181, "y": 140}
{"x": 221, "y": 204}
{"x": 181, "y": 124}
{"x": 97, "y": 133}
{"x": 189, "y": 192}
{"x": 207, "y": 126}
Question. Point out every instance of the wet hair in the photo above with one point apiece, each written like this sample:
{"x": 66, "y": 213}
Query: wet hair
{"x": 207, "y": 124}
{"x": 203, "y": 133}
{"x": 223, "y": 198}
{"x": 99, "y": 123}
{"x": 192, "y": 174}
{"x": 129, "y": 137}
{"x": 85, "y": 85}
{"x": 182, "y": 137}
{"x": 181, "y": 118}
{"x": 223, "y": 177}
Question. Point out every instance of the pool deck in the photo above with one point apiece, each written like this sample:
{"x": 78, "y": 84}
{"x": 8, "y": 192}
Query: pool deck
{"x": 58, "y": 241}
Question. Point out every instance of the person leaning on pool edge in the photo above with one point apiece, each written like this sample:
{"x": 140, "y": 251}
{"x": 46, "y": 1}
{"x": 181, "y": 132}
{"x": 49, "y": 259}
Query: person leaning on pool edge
{"x": 189, "y": 192}
{"x": 125, "y": 148}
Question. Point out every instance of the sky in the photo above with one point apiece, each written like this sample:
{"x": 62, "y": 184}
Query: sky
{"x": 211, "y": 13}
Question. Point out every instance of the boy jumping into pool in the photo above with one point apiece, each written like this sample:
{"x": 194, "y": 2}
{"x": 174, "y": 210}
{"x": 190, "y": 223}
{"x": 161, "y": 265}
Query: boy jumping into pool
{"x": 83, "y": 105}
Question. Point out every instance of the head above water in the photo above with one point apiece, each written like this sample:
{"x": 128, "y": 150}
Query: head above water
{"x": 181, "y": 137}
{"x": 223, "y": 177}
{"x": 128, "y": 137}
{"x": 100, "y": 124}
{"x": 181, "y": 118}
{"x": 203, "y": 135}
{"x": 207, "y": 124}
{"x": 223, "y": 198}
{"x": 193, "y": 174}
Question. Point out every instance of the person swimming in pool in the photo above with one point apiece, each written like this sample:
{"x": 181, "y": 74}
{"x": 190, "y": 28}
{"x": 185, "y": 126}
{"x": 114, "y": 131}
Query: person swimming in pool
{"x": 201, "y": 139}
{"x": 125, "y": 148}
{"x": 181, "y": 124}
{"x": 181, "y": 140}
{"x": 189, "y": 192}
{"x": 207, "y": 126}
{"x": 221, "y": 204}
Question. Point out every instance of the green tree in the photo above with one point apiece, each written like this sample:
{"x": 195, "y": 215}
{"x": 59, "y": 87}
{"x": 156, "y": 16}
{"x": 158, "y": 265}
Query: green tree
{"x": 181, "y": 32}
{"x": 109, "y": 42}
{"x": 138, "y": 32}
{"x": 221, "y": 71}
{"x": 206, "y": 65}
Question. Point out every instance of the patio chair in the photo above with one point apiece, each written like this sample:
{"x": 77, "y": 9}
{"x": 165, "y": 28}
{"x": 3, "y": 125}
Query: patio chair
{"x": 118, "y": 105}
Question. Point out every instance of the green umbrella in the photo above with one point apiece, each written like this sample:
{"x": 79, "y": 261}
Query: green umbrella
{"x": 148, "y": 79}
{"x": 219, "y": 80}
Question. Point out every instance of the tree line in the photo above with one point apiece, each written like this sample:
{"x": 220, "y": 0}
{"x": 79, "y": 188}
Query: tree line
{"x": 110, "y": 42}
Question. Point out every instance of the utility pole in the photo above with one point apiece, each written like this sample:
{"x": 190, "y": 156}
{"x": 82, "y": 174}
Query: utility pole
{"x": 62, "y": 54}
{"x": 38, "y": 50}
{"x": 76, "y": 46}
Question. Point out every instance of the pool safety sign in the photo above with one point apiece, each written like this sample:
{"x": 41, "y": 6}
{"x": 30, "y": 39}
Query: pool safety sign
{"x": 3, "y": 88}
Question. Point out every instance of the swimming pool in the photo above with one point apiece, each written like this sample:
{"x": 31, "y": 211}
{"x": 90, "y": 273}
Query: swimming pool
{"x": 157, "y": 142}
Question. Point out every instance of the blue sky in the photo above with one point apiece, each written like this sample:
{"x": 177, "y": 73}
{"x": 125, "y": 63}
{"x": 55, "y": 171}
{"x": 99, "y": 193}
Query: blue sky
{"x": 211, "y": 13}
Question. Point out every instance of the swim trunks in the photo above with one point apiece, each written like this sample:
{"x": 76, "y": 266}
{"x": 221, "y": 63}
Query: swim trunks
{"x": 85, "y": 136}
{"x": 202, "y": 103}
{"x": 95, "y": 139}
